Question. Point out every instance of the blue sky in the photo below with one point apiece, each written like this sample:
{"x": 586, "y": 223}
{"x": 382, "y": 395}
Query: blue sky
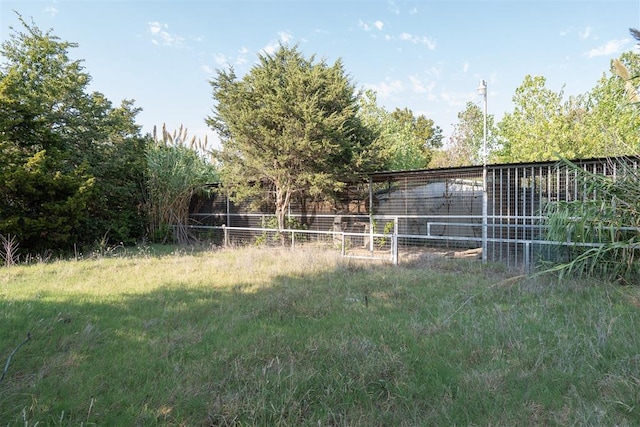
{"x": 426, "y": 55}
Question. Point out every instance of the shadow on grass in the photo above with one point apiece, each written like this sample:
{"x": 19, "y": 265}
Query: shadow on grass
{"x": 350, "y": 346}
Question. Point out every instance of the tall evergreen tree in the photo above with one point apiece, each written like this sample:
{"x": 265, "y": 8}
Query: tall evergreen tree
{"x": 290, "y": 125}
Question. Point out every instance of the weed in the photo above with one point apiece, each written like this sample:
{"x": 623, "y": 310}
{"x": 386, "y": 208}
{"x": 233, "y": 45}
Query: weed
{"x": 275, "y": 337}
{"x": 9, "y": 250}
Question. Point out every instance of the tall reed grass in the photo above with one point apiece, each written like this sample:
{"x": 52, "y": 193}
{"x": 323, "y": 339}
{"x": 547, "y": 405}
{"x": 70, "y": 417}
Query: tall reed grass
{"x": 603, "y": 221}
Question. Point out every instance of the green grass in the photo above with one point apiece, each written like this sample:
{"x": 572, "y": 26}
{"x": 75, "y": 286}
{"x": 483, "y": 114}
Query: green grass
{"x": 270, "y": 337}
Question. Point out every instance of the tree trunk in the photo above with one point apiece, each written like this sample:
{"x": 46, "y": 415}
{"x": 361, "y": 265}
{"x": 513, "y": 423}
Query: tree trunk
{"x": 283, "y": 196}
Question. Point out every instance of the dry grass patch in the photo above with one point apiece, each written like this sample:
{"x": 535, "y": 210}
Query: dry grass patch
{"x": 274, "y": 337}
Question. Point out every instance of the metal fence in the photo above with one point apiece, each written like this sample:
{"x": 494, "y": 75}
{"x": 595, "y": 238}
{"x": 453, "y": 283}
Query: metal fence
{"x": 397, "y": 214}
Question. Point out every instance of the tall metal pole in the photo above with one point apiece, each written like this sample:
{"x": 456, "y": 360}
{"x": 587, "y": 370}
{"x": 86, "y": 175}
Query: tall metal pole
{"x": 482, "y": 90}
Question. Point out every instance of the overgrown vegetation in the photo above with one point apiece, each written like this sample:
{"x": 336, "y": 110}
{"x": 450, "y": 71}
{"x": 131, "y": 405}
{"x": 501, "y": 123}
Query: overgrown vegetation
{"x": 71, "y": 163}
{"x": 604, "y": 217}
{"x": 603, "y": 221}
{"x": 75, "y": 172}
{"x": 177, "y": 170}
{"x": 253, "y": 337}
{"x": 9, "y": 247}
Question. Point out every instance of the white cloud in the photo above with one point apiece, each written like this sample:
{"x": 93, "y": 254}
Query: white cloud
{"x": 393, "y": 7}
{"x": 220, "y": 59}
{"x": 241, "y": 58}
{"x": 285, "y": 37}
{"x": 455, "y": 99}
{"x": 430, "y": 44}
{"x": 206, "y": 69}
{"x": 434, "y": 72}
{"x": 155, "y": 27}
{"x": 364, "y": 25}
{"x": 582, "y": 33}
{"x": 384, "y": 89}
{"x": 426, "y": 41}
{"x": 610, "y": 48}
{"x": 419, "y": 86}
{"x": 272, "y": 47}
{"x": 160, "y": 35}
{"x": 52, "y": 11}
{"x": 378, "y": 25}
{"x": 465, "y": 67}
{"x": 585, "y": 34}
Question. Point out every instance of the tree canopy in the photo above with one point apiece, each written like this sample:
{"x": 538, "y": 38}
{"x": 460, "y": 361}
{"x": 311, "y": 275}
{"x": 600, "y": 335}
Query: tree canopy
{"x": 404, "y": 141}
{"x": 291, "y": 125}
{"x": 544, "y": 125}
{"x": 71, "y": 164}
{"x": 74, "y": 168}
{"x": 465, "y": 144}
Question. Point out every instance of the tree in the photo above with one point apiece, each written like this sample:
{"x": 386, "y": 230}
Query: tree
{"x": 542, "y": 125}
{"x": 411, "y": 139}
{"x": 608, "y": 216}
{"x": 465, "y": 144}
{"x": 404, "y": 141}
{"x": 291, "y": 125}
{"x": 70, "y": 163}
{"x": 600, "y": 123}
{"x": 611, "y": 124}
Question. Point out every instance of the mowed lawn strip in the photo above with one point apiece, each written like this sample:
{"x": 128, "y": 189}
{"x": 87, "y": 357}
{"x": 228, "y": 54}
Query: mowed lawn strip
{"x": 274, "y": 337}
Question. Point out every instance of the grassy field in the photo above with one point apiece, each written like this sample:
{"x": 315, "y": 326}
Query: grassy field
{"x": 256, "y": 337}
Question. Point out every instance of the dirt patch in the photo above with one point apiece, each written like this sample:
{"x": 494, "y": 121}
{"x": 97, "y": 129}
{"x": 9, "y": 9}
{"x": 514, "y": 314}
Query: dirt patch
{"x": 436, "y": 253}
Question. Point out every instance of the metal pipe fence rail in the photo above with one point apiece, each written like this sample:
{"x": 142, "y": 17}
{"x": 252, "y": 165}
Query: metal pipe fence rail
{"x": 350, "y": 244}
{"x": 523, "y": 249}
{"x": 496, "y": 210}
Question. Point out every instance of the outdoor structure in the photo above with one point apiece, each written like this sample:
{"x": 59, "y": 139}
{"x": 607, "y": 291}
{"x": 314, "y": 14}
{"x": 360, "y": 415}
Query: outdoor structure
{"x": 425, "y": 209}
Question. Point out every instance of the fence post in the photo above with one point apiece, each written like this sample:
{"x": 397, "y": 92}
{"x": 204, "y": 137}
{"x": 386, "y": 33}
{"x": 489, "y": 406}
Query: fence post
{"x": 293, "y": 239}
{"x": 371, "y": 231}
{"x": 342, "y": 245}
{"x": 226, "y": 235}
{"x": 527, "y": 254}
{"x": 394, "y": 242}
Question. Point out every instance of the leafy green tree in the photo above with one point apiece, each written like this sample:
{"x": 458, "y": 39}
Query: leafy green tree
{"x": 542, "y": 125}
{"x": 600, "y": 123}
{"x": 404, "y": 141}
{"x": 290, "y": 125}
{"x": 412, "y": 139}
{"x": 465, "y": 144}
{"x": 71, "y": 165}
{"x": 612, "y": 123}
{"x": 605, "y": 215}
